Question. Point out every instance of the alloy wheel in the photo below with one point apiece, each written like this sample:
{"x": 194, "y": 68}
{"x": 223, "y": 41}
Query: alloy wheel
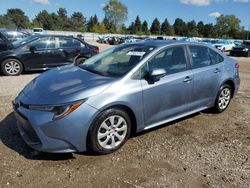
{"x": 112, "y": 132}
{"x": 12, "y": 67}
{"x": 224, "y": 98}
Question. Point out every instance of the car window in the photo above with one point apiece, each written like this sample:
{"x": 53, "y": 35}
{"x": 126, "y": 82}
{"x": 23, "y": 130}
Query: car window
{"x": 172, "y": 59}
{"x": 200, "y": 56}
{"x": 215, "y": 57}
{"x": 69, "y": 43}
{"x": 43, "y": 43}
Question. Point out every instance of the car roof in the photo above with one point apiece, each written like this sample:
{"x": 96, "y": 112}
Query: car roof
{"x": 161, "y": 43}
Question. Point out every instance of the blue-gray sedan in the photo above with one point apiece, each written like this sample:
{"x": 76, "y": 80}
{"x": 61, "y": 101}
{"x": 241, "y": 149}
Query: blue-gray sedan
{"x": 129, "y": 88}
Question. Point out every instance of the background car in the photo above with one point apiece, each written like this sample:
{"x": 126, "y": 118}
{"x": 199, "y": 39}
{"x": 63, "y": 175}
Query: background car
{"x": 37, "y": 30}
{"x": 41, "y": 52}
{"x": 242, "y": 50}
{"x": 224, "y": 45}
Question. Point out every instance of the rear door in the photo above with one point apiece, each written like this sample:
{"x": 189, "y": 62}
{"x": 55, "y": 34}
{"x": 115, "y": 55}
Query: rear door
{"x": 207, "y": 69}
{"x": 170, "y": 96}
{"x": 69, "y": 48}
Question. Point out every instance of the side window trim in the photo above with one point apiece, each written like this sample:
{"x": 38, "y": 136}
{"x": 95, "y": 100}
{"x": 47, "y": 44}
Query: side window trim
{"x": 188, "y": 64}
{"x": 39, "y": 39}
{"x": 190, "y": 56}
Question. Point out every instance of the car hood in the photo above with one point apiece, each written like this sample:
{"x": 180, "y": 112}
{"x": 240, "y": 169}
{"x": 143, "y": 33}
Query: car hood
{"x": 63, "y": 85}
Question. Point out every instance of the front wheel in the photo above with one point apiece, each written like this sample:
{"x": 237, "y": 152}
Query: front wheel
{"x": 223, "y": 98}
{"x": 109, "y": 131}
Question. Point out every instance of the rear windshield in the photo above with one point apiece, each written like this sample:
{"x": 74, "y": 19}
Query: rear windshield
{"x": 246, "y": 43}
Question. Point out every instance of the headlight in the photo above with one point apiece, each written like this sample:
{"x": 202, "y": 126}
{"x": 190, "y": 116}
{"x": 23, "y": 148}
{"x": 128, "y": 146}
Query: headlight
{"x": 59, "y": 111}
{"x": 245, "y": 49}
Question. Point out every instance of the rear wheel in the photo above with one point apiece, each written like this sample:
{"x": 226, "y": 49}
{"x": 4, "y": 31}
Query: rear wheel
{"x": 80, "y": 60}
{"x": 109, "y": 131}
{"x": 12, "y": 67}
{"x": 223, "y": 98}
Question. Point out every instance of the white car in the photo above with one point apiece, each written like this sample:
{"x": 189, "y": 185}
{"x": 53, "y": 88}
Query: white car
{"x": 224, "y": 45}
{"x": 38, "y": 30}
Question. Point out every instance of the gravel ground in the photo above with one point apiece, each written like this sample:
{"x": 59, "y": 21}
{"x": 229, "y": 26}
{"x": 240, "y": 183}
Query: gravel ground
{"x": 202, "y": 150}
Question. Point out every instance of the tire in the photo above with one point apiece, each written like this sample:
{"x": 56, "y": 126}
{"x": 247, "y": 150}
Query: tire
{"x": 80, "y": 60}
{"x": 12, "y": 67}
{"x": 223, "y": 98}
{"x": 103, "y": 138}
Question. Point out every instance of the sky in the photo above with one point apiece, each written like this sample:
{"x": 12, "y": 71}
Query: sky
{"x": 198, "y": 10}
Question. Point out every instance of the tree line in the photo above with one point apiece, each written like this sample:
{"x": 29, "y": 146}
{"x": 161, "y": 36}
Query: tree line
{"x": 226, "y": 26}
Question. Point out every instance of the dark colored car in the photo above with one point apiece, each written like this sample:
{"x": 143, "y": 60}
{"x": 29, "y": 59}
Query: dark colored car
{"x": 41, "y": 52}
{"x": 242, "y": 50}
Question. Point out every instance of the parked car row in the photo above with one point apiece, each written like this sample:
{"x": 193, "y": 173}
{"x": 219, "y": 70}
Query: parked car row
{"x": 41, "y": 52}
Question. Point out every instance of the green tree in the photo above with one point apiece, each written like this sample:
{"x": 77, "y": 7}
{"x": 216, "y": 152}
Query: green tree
{"x": 110, "y": 27}
{"x": 192, "y": 30}
{"x": 5, "y": 22}
{"x": 155, "y": 27}
{"x": 78, "y": 21}
{"x": 64, "y": 23}
{"x": 200, "y": 28}
{"x": 46, "y": 21}
{"x": 116, "y": 13}
{"x": 144, "y": 27}
{"x": 228, "y": 25}
{"x": 131, "y": 28}
{"x": 209, "y": 31}
{"x": 180, "y": 27}
{"x": 137, "y": 25}
{"x": 18, "y": 17}
{"x": 166, "y": 28}
{"x": 93, "y": 23}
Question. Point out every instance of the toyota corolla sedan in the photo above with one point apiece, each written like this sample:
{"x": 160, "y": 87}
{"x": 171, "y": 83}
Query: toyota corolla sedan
{"x": 129, "y": 88}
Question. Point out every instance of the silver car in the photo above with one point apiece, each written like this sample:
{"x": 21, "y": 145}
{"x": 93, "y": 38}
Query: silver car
{"x": 129, "y": 88}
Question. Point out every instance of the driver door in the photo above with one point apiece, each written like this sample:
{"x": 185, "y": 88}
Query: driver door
{"x": 169, "y": 96}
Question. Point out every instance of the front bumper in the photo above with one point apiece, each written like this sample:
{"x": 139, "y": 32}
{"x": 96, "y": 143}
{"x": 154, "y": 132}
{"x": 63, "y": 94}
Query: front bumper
{"x": 68, "y": 134}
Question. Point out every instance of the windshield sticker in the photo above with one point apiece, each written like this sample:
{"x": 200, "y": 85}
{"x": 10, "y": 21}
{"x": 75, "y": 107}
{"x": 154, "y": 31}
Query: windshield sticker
{"x": 136, "y": 53}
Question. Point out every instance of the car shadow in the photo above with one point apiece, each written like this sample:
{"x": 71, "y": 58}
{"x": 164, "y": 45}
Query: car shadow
{"x": 10, "y": 137}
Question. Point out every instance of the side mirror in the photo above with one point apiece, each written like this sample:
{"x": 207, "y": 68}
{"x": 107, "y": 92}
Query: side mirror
{"x": 33, "y": 49}
{"x": 155, "y": 75}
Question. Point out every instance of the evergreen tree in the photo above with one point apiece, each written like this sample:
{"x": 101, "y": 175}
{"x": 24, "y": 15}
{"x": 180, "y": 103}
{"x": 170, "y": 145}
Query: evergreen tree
{"x": 180, "y": 27}
{"x": 144, "y": 27}
{"x": 166, "y": 28}
{"x": 155, "y": 27}
{"x": 137, "y": 25}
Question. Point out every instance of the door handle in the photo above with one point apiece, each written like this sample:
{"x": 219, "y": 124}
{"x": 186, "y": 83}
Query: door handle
{"x": 187, "y": 79}
{"x": 217, "y": 70}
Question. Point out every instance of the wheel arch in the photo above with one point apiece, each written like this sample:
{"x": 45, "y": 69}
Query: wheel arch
{"x": 231, "y": 84}
{"x": 125, "y": 108}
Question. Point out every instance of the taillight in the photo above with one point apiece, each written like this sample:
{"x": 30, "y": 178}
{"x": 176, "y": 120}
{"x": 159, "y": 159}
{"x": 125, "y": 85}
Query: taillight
{"x": 237, "y": 65}
{"x": 96, "y": 50}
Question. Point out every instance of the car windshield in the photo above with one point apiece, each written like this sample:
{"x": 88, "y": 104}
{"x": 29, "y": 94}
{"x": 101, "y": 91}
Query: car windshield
{"x": 25, "y": 40}
{"x": 116, "y": 62}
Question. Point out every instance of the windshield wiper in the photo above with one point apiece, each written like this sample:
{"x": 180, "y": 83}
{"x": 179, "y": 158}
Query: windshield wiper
{"x": 93, "y": 71}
